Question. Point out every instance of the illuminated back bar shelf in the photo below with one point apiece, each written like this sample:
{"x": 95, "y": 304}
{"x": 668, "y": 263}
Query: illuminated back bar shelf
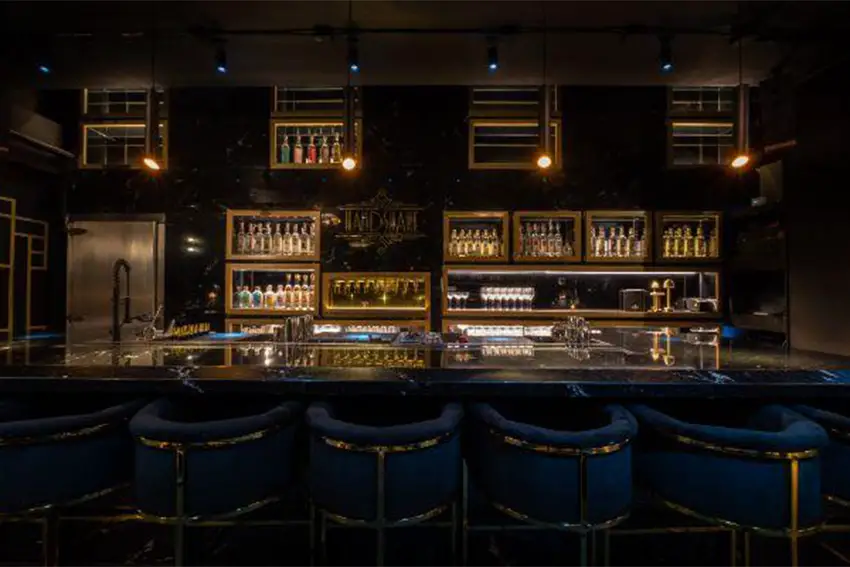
{"x": 384, "y": 295}
{"x": 600, "y": 292}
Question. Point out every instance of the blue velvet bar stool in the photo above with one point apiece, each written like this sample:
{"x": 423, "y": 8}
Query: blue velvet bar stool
{"x": 211, "y": 462}
{"x": 384, "y": 467}
{"x": 58, "y": 453}
{"x": 756, "y": 471}
{"x": 559, "y": 467}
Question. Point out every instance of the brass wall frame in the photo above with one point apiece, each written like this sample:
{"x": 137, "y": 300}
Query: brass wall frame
{"x": 588, "y": 313}
{"x": 274, "y": 123}
{"x": 134, "y": 123}
{"x": 626, "y": 215}
{"x": 554, "y": 124}
{"x": 279, "y": 267}
{"x": 686, "y": 216}
{"x": 502, "y": 217}
{"x": 578, "y": 233}
{"x": 278, "y": 215}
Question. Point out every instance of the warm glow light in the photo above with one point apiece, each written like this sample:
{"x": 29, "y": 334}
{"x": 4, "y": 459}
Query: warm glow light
{"x": 151, "y": 163}
{"x": 740, "y": 161}
{"x": 349, "y": 163}
{"x": 544, "y": 162}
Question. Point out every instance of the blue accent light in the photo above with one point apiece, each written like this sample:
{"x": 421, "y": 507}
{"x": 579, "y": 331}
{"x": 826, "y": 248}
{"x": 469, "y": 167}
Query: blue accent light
{"x": 730, "y": 332}
{"x": 355, "y": 68}
{"x": 44, "y": 69}
{"x": 666, "y": 67}
{"x": 221, "y": 69}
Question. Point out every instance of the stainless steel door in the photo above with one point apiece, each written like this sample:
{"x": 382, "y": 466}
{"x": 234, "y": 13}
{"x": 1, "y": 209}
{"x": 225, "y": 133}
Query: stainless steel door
{"x": 93, "y": 247}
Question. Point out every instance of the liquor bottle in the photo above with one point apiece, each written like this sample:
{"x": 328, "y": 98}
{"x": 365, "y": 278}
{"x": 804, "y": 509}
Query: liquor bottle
{"x": 287, "y": 241}
{"x": 287, "y": 293}
{"x": 296, "y": 292}
{"x": 311, "y": 150}
{"x": 621, "y": 242}
{"x": 607, "y": 237}
{"x": 713, "y": 244}
{"x": 296, "y": 241}
{"x": 280, "y": 297}
{"x": 245, "y": 298}
{"x": 257, "y": 298}
{"x": 461, "y": 248}
{"x": 268, "y": 240}
{"x": 630, "y": 243}
{"x": 677, "y": 242}
{"x": 668, "y": 242}
{"x": 269, "y": 297}
{"x": 237, "y": 298}
{"x": 277, "y": 241}
{"x": 298, "y": 150}
{"x": 687, "y": 241}
{"x": 699, "y": 242}
{"x": 310, "y": 296}
{"x": 336, "y": 149}
{"x": 325, "y": 151}
{"x": 255, "y": 244}
{"x": 311, "y": 238}
{"x": 241, "y": 239}
{"x": 453, "y": 243}
{"x": 285, "y": 150}
{"x": 305, "y": 240}
{"x": 523, "y": 242}
{"x": 593, "y": 240}
{"x": 640, "y": 247}
{"x": 557, "y": 241}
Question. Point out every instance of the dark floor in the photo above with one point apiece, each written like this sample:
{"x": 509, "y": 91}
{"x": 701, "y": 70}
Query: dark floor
{"x": 133, "y": 543}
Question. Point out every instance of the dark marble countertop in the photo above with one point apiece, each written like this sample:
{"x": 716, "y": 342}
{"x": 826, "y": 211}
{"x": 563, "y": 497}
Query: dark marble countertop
{"x": 619, "y": 363}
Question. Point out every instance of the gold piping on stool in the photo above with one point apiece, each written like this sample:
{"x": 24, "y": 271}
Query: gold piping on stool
{"x": 836, "y": 500}
{"x": 423, "y": 517}
{"x": 579, "y": 527}
{"x": 223, "y": 519}
{"x": 738, "y": 451}
{"x": 562, "y": 451}
{"x": 213, "y": 444}
{"x": 358, "y": 448}
{"x": 61, "y": 436}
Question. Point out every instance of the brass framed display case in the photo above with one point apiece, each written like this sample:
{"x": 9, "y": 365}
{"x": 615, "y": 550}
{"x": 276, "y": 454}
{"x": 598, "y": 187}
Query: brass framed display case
{"x": 311, "y": 144}
{"x": 376, "y": 294}
{"x": 331, "y": 328}
{"x": 546, "y": 236}
{"x": 618, "y": 236}
{"x": 688, "y": 236}
{"x": 475, "y": 236}
{"x": 277, "y": 236}
{"x": 611, "y": 292}
{"x": 271, "y": 289}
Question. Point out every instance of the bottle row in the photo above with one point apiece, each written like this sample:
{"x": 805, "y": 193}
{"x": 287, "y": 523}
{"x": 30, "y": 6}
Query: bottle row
{"x": 682, "y": 241}
{"x": 297, "y": 294}
{"x": 544, "y": 240}
{"x": 475, "y": 243}
{"x": 617, "y": 242}
{"x": 296, "y": 239}
{"x": 316, "y": 146}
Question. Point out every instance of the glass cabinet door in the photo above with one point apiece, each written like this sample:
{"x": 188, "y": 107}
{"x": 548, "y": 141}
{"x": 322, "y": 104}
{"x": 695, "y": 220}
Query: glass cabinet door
{"x": 475, "y": 236}
{"x": 281, "y": 236}
{"x": 618, "y": 236}
{"x": 547, "y": 236}
{"x": 688, "y": 237}
{"x": 264, "y": 289}
{"x": 376, "y": 293}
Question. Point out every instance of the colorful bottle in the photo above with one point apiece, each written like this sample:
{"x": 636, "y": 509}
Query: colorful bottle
{"x": 269, "y": 297}
{"x": 287, "y": 293}
{"x": 298, "y": 150}
{"x": 311, "y": 150}
{"x": 324, "y": 151}
{"x": 280, "y": 297}
{"x": 257, "y": 298}
{"x": 237, "y": 298}
{"x": 297, "y": 291}
{"x": 245, "y": 298}
{"x": 336, "y": 149}
{"x": 285, "y": 150}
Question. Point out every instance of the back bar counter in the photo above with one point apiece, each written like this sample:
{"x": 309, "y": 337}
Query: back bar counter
{"x": 603, "y": 303}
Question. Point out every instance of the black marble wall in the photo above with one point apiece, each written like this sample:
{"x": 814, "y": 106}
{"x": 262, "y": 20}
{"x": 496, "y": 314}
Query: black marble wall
{"x": 414, "y": 145}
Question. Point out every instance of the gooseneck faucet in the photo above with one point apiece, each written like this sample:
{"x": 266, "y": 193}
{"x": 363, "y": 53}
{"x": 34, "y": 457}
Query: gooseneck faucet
{"x": 119, "y": 265}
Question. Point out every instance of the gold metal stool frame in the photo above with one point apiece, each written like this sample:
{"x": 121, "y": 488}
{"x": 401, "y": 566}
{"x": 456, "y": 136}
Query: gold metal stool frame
{"x": 583, "y": 528}
{"x": 380, "y": 524}
{"x": 794, "y": 532}
{"x": 180, "y": 521}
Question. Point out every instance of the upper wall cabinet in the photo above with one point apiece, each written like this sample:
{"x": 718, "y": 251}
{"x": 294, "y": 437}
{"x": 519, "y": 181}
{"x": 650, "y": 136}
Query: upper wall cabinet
{"x": 504, "y": 127}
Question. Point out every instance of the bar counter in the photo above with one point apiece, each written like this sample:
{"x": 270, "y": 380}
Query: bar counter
{"x": 620, "y": 363}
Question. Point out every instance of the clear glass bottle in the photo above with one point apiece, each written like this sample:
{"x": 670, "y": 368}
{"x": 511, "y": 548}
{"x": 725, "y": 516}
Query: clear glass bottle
{"x": 257, "y": 298}
{"x": 311, "y": 150}
{"x": 336, "y": 149}
{"x": 699, "y": 242}
{"x": 462, "y": 244}
{"x": 557, "y": 241}
{"x": 297, "y": 292}
{"x": 298, "y": 149}
{"x": 241, "y": 239}
{"x": 287, "y": 240}
{"x": 237, "y": 298}
{"x": 287, "y": 293}
{"x": 594, "y": 240}
{"x": 285, "y": 150}
{"x": 523, "y": 240}
{"x": 310, "y": 294}
{"x": 269, "y": 297}
{"x": 324, "y": 151}
{"x": 268, "y": 240}
{"x": 277, "y": 241}
{"x": 280, "y": 297}
{"x": 453, "y": 243}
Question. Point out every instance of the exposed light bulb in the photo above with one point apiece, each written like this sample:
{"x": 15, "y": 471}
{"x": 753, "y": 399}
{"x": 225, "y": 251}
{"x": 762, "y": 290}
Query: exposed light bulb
{"x": 151, "y": 163}
{"x": 221, "y": 60}
{"x": 353, "y": 56}
{"x": 544, "y": 162}
{"x": 492, "y": 58}
{"x": 740, "y": 161}
{"x": 665, "y": 56}
{"x": 349, "y": 163}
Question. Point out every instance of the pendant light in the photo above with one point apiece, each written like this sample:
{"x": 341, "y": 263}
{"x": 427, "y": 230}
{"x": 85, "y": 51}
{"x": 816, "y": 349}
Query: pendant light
{"x": 742, "y": 157}
{"x": 152, "y": 108}
{"x": 349, "y": 159}
{"x": 544, "y": 158}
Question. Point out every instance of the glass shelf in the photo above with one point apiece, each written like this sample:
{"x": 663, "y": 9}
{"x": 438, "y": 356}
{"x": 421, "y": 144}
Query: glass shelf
{"x": 618, "y": 236}
{"x": 271, "y": 289}
{"x": 475, "y": 236}
{"x": 688, "y": 237}
{"x": 547, "y": 236}
{"x": 378, "y": 294}
{"x": 612, "y": 293}
{"x": 274, "y": 235}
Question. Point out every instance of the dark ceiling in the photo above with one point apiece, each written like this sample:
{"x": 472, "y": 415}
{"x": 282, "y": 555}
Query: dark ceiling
{"x": 412, "y": 42}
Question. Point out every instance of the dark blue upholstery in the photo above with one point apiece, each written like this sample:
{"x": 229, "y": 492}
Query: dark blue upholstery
{"x": 218, "y": 479}
{"x": 344, "y": 482}
{"x": 737, "y": 488}
{"x": 39, "y": 468}
{"x": 835, "y": 458}
{"x": 545, "y": 486}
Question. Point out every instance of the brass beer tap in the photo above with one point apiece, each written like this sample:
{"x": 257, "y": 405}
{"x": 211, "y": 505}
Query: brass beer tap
{"x": 668, "y": 286}
{"x": 656, "y": 295}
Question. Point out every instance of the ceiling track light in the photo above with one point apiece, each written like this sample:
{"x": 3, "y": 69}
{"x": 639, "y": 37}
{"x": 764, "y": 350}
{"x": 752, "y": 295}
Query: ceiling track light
{"x": 221, "y": 59}
{"x": 493, "y": 58}
{"x": 353, "y": 55}
{"x": 665, "y": 54}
